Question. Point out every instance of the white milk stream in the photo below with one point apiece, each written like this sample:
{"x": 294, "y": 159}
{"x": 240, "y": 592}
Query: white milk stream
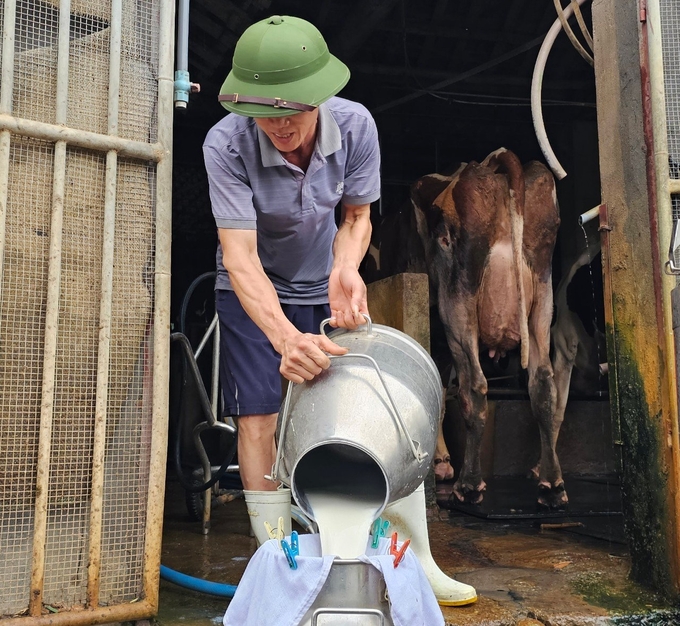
{"x": 344, "y": 521}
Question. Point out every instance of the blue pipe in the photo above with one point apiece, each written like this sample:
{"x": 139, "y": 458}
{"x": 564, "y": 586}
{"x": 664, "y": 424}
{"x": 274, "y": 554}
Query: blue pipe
{"x": 198, "y": 584}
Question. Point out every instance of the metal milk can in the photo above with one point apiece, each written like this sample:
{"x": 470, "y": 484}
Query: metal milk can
{"x": 367, "y": 426}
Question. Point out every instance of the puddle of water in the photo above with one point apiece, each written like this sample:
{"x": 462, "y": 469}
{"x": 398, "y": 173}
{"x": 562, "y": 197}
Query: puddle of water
{"x": 180, "y": 606}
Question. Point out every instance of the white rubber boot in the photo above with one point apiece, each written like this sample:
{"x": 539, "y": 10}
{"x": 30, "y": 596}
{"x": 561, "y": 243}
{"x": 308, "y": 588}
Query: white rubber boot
{"x": 408, "y": 517}
{"x": 268, "y": 506}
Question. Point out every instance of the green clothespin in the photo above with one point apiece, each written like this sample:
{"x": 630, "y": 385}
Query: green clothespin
{"x": 379, "y": 529}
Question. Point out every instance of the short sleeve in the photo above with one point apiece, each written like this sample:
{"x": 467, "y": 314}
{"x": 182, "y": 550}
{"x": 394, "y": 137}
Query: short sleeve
{"x": 362, "y": 172}
{"x": 230, "y": 193}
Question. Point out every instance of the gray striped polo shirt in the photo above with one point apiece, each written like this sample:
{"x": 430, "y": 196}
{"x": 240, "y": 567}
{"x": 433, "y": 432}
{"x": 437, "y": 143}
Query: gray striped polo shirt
{"x": 253, "y": 187}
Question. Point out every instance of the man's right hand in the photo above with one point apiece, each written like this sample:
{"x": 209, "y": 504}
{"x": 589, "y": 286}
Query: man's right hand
{"x": 305, "y": 355}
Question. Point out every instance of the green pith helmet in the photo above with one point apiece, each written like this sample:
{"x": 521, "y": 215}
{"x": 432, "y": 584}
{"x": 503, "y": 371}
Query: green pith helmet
{"x": 281, "y": 66}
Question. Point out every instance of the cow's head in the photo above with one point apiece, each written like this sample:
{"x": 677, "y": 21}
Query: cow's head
{"x": 436, "y": 220}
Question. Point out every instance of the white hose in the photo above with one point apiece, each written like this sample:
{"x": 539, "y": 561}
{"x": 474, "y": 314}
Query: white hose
{"x": 536, "y": 86}
{"x": 570, "y": 33}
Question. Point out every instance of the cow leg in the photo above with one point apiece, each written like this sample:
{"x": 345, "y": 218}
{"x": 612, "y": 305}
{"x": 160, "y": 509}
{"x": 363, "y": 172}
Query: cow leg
{"x": 543, "y": 395}
{"x": 442, "y": 458}
{"x": 473, "y": 405}
{"x": 565, "y": 348}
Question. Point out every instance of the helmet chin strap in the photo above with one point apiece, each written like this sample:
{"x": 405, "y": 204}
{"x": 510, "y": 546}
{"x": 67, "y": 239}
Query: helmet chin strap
{"x": 277, "y": 103}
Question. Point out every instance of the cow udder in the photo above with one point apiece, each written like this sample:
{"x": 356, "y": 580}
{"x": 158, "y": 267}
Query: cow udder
{"x": 498, "y": 301}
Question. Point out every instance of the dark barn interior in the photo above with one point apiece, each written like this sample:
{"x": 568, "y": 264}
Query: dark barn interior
{"x": 446, "y": 81}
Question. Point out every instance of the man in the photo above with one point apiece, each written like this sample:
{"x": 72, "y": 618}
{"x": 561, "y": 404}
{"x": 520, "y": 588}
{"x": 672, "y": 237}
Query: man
{"x": 277, "y": 170}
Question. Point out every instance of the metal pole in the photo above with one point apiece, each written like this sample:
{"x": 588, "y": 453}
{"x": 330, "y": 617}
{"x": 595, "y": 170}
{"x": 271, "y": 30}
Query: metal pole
{"x": 81, "y": 138}
{"x": 6, "y": 89}
{"x": 161, "y": 322}
{"x": 105, "y": 306}
{"x": 51, "y": 320}
{"x": 104, "y": 614}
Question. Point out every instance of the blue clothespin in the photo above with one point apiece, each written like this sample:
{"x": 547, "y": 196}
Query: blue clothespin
{"x": 379, "y": 529}
{"x": 292, "y": 550}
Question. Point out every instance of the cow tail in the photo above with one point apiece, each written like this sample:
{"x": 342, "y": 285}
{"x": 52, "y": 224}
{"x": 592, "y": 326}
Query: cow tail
{"x": 505, "y": 160}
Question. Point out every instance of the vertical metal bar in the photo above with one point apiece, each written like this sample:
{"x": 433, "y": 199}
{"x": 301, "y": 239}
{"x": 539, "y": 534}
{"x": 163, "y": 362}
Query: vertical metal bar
{"x": 61, "y": 103}
{"x": 161, "y": 323}
{"x": 105, "y": 307}
{"x": 49, "y": 374}
{"x": 215, "y": 377}
{"x": 8, "y": 34}
{"x": 51, "y": 320}
{"x": 6, "y": 90}
{"x": 214, "y": 401}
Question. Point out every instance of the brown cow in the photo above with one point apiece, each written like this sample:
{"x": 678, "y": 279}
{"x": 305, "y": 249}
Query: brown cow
{"x": 401, "y": 250}
{"x": 489, "y": 232}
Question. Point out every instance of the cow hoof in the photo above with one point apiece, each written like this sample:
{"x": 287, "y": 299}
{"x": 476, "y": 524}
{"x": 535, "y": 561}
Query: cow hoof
{"x": 552, "y": 498}
{"x": 465, "y": 492}
{"x": 442, "y": 469}
{"x": 535, "y": 472}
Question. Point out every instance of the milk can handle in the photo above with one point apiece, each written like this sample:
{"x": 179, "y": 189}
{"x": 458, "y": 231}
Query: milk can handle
{"x": 279, "y": 448}
{"x": 419, "y": 456}
{"x": 369, "y": 325}
{"x": 369, "y": 331}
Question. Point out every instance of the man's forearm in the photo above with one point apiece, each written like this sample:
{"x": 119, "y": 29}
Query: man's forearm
{"x": 260, "y": 301}
{"x": 353, "y": 238}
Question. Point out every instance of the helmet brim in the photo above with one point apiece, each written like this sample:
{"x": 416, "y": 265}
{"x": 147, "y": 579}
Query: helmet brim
{"x": 313, "y": 90}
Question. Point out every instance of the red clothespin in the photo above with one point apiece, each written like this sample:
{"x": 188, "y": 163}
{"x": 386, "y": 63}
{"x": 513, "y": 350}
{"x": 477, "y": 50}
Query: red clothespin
{"x": 398, "y": 554}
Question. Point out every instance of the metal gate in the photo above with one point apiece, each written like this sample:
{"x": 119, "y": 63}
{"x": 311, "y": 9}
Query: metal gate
{"x": 86, "y": 94}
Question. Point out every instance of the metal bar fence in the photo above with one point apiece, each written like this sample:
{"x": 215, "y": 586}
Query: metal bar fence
{"x": 86, "y": 91}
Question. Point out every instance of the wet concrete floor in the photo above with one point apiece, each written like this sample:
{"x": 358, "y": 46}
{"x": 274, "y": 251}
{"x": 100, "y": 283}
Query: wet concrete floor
{"x": 525, "y": 575}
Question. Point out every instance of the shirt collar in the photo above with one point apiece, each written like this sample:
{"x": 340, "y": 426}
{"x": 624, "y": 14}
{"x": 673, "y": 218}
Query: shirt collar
{"x": 328, "y": 140}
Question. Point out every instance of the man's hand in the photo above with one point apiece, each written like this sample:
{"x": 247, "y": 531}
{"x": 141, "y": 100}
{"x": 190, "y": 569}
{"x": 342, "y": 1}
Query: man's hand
{"x": 347, "y": 297}
{"x": 303, "y": 356}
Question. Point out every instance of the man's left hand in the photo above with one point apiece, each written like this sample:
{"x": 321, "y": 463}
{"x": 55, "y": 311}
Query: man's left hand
{"x": 347, "y": 297}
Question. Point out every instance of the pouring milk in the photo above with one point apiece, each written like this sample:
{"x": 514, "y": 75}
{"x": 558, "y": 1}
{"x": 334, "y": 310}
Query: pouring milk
{"x": 344, "y": 522}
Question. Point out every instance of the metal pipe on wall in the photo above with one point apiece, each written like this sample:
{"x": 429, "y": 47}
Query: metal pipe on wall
{"x": 589, "y": 215}
{"x": 182, "y": 85}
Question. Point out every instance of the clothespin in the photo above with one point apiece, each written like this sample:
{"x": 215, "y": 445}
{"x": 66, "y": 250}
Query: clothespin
{"x": 276, "y": 533}
{"x": 292, "y": 550}
{"x": 379, "y": 529}
{"x": 398, "y": 554}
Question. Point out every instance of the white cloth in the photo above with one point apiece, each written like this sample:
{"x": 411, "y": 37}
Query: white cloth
{"x": 412, "y": 601}
{"x": 272, "y": 594}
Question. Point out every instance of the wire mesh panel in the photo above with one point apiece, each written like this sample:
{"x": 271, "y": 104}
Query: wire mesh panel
{"x": 78, "y": 308}
{"x": 670, "y": 41}
{"x": 22, "y": 306}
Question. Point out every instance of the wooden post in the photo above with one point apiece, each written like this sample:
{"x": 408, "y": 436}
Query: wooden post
{"x": 638, "y": 344}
